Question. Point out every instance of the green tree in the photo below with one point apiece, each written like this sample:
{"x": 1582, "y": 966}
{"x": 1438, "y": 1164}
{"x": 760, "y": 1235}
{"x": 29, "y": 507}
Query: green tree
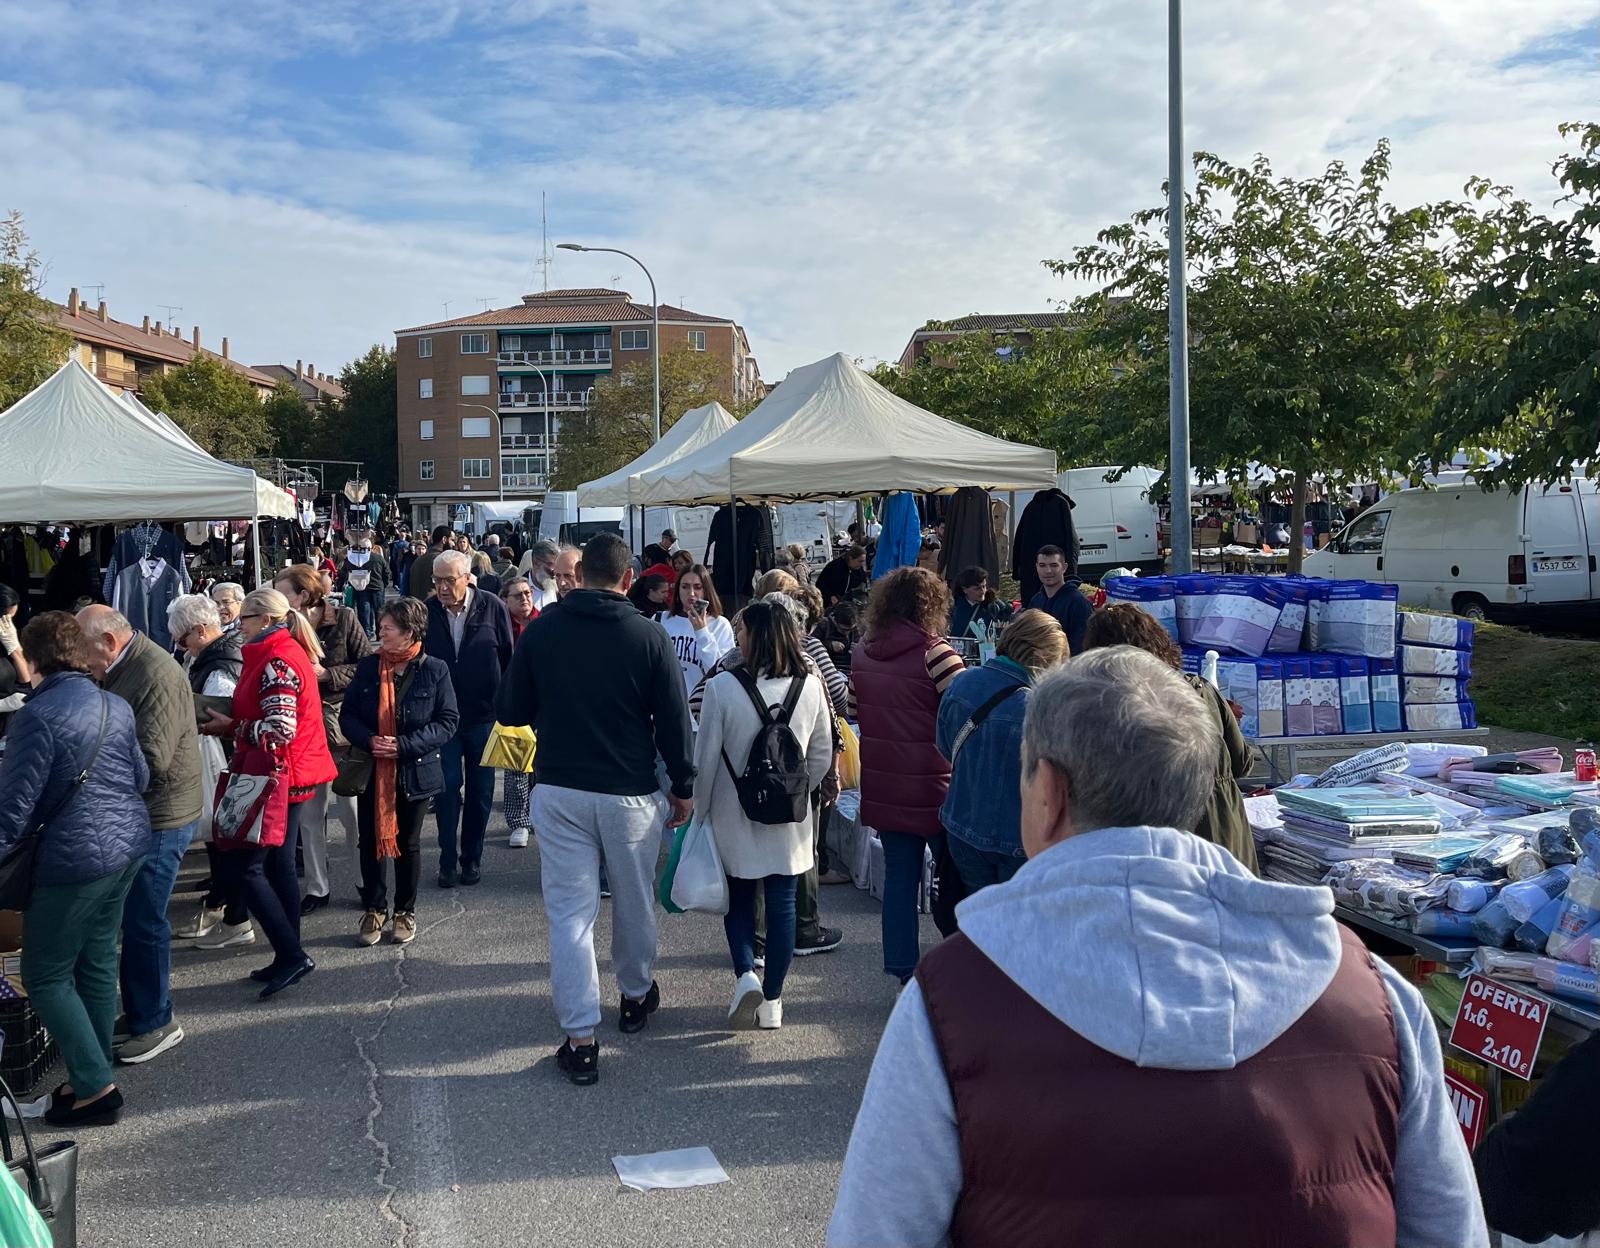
{"x": 297, "y": 430}
{"x": 32, "y": 346}
{"x": 1316, "y": 314}
{"x": 216, "y": 406}
{"x": 1525, "y": 372}
{"x": 618, "y": 424}
{"x": 364, "y": 425}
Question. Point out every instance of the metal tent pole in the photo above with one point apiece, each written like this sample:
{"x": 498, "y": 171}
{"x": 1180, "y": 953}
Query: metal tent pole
{"x": 1177, "y": 301}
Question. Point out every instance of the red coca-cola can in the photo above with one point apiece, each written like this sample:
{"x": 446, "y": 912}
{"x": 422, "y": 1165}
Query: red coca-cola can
{"x": 1583, "y": 762}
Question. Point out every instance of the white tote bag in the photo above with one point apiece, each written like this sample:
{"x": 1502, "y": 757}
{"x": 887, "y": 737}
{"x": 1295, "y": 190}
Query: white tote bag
{"x": 700, "y": 882}
{"x": 212, "y": 764}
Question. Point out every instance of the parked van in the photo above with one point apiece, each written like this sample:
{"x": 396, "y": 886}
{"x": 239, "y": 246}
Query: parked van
{"x": 561, "y": 520}
{"x": 1478, "y": 553}
{"x": 1115, "y": 520}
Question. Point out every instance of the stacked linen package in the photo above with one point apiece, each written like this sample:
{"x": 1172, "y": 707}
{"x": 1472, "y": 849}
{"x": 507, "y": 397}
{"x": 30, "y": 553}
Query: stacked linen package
{"x": 1434, "y": 656}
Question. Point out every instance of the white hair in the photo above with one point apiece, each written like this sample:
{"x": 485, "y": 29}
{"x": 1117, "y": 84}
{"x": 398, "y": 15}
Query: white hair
{"x": 1135, "y": 742}
{"x": 228, "y": 589}
{"x": 797, "y": 609}
{"x": 189, "y": 611}
{"x": 451, "y": 563}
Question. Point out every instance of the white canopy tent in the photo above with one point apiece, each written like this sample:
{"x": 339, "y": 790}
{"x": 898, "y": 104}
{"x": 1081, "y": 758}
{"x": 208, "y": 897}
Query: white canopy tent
{"x": 72, "y": 452}
{"x": 164, "y": 422}
{"x": 695, "y": 429}
{"x": 829, "y": 431}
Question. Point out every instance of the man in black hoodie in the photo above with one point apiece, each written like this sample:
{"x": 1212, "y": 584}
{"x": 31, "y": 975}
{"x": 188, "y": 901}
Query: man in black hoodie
{"x": 601, "y": 686}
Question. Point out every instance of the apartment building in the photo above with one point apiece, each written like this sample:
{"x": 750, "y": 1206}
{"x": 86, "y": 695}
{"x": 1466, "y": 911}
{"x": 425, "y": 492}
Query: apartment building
{"x": 481, "y": 398}
{"x": 123, "y": 355}
{"x": 1019, "y": 325}
{"x": 317, "y": 389}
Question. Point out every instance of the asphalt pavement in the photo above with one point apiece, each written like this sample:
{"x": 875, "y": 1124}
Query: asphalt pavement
{"x": 409, "y": 1097}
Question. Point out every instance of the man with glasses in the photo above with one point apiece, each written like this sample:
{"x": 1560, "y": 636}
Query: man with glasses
{"x": 470, "y": 632}
{"x": 538, "y": 565}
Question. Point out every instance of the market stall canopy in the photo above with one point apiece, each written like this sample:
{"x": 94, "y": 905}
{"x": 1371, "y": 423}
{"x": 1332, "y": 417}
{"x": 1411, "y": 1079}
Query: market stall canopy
{"x": 696, "y": 428}
{"x": 161, "y": 420}
{"x": 71, "y": 452}
{"x": 830, "y": 431}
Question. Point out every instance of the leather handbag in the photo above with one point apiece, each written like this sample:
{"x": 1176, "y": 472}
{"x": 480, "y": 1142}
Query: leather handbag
{"x": 355, "y": 767}
{"x": 17, "y": 867}
{"x": 49, "y": 1175}
{"x": 251, "y": 804}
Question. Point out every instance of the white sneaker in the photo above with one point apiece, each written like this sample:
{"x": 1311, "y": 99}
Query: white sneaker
{"x": 769, "y": 1015}
{"x": 204, "y": 924}
{"x": 226, "y": 935}
{"x": 519, "y": 838}
{"x": 746, "y": 1002}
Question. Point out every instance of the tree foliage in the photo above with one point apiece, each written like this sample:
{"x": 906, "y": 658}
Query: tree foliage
{"x": 217, "y": 407}
{"x": 618, "y": 424}
{"x": 295, "y": 425}
{"x": 32, "y": 346}
{"x": 364, "y": 424}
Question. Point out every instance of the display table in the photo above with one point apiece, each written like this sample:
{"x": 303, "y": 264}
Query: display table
{"x": 1287, "y": 750}
{"x": 1449, "y": 950}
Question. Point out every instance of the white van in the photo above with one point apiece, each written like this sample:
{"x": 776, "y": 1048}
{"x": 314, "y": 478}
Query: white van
{"x": 1115, "y": 521}
{"x": 1460, "y": 548}
{"x": 561, "y": 519}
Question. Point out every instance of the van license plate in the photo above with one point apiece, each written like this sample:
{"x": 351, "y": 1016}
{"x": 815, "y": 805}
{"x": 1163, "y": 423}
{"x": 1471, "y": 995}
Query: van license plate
{"x": 1555, "y": 565}
{"x": 1091, "y": 546}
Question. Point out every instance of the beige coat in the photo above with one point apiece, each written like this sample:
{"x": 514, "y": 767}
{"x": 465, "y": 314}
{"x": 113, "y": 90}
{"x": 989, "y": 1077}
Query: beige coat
{"x": 728, "y": 721}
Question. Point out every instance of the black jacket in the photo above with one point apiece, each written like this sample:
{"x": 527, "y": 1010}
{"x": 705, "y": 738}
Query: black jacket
{"x": 601, "y": 686}
{"x": 485, "y": 653}
{"x": 1045, "y": 521}
{"x": 424, "y": 721}
{"x": 222, "y": 655}
{"x": 1536, "y": 1169}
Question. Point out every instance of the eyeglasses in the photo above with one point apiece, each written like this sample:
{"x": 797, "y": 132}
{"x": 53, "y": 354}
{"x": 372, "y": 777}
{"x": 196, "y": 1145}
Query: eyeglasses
{"x": 448, "y": 580}
{"x": 256, "y": 615}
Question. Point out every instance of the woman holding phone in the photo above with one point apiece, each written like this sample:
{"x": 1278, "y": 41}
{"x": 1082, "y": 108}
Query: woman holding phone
{"x": 700, "y": 635}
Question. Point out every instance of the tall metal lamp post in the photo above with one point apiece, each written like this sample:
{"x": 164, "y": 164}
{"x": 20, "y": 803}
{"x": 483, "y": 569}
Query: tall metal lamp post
{"x": 655, "y": 320}
{"x": 499, "y": 444}
{"x": 1177, "y": 303}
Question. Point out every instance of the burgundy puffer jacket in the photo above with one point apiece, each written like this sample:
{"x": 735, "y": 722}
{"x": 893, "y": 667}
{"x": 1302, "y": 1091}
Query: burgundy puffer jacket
{"x": 903, "y": 775}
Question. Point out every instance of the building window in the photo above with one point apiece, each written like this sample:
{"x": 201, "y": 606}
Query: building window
{"x": 511, "y": 342}
{"x": 422, "y": 514}
{"x": 427, "y": 470}
{"x": 557, "y": 342}
{"x": 477, "y": 426}
{"x": 476, "y": 383}
{"x": 424, "y": 348}
{"x": 602, "y": 342}
{"x": 633, "y": 340}
{"x": 510, "y": 425}
{"x": 697, "y": 339}
{"x": 427, "y": 431}
{"x": 475, "y": 469}
{"x": 425, "y": 388}
{"x": 474, "y": 344}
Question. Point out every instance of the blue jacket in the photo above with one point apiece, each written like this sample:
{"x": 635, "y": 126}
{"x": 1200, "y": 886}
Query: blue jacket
{"x": 425, "y": 720}
{"x": 984, "y": 804}
{"x": 486, "y": 646}
{"x": 104, "y": 826}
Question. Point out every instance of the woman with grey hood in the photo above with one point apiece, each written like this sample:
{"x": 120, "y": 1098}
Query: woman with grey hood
{"x": 1134, "y": 1041}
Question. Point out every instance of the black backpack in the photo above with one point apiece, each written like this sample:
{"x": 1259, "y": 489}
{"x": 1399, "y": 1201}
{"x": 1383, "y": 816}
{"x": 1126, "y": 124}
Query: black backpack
{"x": 775, "y": 787}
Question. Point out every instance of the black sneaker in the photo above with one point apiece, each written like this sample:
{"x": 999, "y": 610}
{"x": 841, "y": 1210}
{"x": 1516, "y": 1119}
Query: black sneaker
{"x": 581, "y": 1065}
{"x": 636, "y": 1014}
{"x": 823, "y": 940}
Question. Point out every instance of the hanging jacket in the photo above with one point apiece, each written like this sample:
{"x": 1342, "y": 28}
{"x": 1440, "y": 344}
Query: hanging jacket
{"x": 736, "y": 557}
{"x": 1191, "y": 1056}
{"x": 903, "y": 776}
{"x": 1045, "y": 521}
{"x": 969, "y": 537}
{"x": 50, "y": 740}
{"x": 900, "y": 543}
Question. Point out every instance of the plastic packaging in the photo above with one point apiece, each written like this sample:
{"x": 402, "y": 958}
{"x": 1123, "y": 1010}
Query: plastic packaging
{"x": 1580, "y": 911}
{"x": 1582, "y": 821}
{"x": 1289, "y": 632}
{"x": 1354, "y": 617}
{"x": 1525, "y": 866}
{"x": 1490, "y": 862}
{"x": 1556, "y": 845}
{"x": 1523, "y": 899}
{"x": 1269, "y": 697}
{"x": 1493, "y": 925}
{"x": 1415, "y": 690}
{"x": 1442, "y": 922}
{"x": 1239, "y": 616}
{"x": 1156, "y": 596}
{"x": 1581, "y": 983}
{"x": 1442, "y": 716}
{"x": 1427, "y": 661}
{"x": 1470, "y": 896}
{"x": 1385, "y": 684}
{"x": 1533, "y": 934}
{"x": 1435, "y": 630}
{"x": 1355, "y": 694}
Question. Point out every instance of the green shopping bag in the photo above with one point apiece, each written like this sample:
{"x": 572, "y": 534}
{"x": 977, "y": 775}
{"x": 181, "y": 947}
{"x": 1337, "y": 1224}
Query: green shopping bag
{"x": 20, "y": 1223}
{"x": 664, "y": 889}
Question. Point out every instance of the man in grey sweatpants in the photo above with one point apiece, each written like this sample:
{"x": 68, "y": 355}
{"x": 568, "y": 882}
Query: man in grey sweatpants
{"x": 601, "y": 686}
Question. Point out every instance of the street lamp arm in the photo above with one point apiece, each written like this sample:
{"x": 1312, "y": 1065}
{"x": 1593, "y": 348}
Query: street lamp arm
{"x": 655, "y": 318}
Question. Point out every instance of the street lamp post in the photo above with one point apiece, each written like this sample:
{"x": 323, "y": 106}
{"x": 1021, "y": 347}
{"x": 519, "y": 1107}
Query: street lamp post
{"x": 499, "y": 438}
{"x": 1177, "y": 303}
{"x": 655, "y": 320}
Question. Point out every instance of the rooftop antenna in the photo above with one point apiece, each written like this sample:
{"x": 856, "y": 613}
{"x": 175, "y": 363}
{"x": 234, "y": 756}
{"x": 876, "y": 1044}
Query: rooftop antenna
{"x": 545, "y": 260}
{"x": 171, "y": 309}
{"x": 447, "y": 309}
{"x": 484, "y": 303}
{"x": 616, "y": 280}
{"x": 99, "y": 289}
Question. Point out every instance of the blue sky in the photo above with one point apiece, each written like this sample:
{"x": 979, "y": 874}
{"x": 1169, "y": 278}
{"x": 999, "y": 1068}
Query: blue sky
{"x": 305, "y": 178}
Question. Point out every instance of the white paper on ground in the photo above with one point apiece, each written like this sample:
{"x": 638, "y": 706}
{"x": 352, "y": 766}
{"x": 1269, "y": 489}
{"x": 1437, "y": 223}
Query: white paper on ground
{"x": 681, "y": 1167}
{"x": 30, "y": 1109}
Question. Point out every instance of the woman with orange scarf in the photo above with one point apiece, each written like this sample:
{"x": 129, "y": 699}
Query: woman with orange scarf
{"x": 399, "y": 709}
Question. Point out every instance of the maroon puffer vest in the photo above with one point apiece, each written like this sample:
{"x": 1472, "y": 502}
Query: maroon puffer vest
{"x": 1065, "y": 1143}
{"x": 903, "y": 775}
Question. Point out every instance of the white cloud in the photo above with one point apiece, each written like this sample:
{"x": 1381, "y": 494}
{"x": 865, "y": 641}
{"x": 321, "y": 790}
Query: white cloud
{"x": 306, "y": 180}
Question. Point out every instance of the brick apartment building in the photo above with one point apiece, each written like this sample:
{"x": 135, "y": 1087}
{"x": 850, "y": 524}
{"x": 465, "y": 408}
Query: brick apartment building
{"x": 123, "y": 355}
{"x": 1020, "y": 325}
{"x": 481, "y": 398}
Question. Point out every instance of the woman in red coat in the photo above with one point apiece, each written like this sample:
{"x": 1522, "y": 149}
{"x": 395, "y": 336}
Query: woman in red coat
{"x": 898, "y": 674}
{"x": 277, "y": 707}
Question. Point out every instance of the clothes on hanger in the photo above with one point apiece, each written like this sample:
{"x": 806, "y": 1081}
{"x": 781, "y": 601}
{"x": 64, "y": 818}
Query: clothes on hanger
{"x": 749, "y": 546}
{"x": 145, "y": 540}
{"x": 901, "y": 540}
{"x": 969, "y": 537}
{"x": 143, "y": 591}
{"x": 1045, "y": 521}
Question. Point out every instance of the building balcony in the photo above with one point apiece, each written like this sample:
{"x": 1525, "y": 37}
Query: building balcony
{"x": 523, "y": 480}
{"x": 118, "y": 375}
{"x": 586, "y": 358}
{"x": 537, "y": 400}
{"x": 522, "y": 442}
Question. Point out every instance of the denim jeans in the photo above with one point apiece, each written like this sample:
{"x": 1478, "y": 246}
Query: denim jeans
{"x": 367, "y": 603}
{"x": 979, "y": 868}
{"x": 903, "y": 856}
{"x": 460, "y": 757}
{"x": 146, "y": 934}
{"x": 740, "y": 925}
